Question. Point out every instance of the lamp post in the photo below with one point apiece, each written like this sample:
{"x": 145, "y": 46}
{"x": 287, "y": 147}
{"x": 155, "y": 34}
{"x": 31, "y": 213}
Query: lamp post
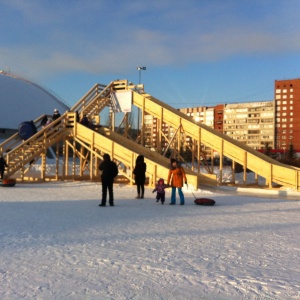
{"x": 138, "y": 120}
{"x": 140, "y": 69}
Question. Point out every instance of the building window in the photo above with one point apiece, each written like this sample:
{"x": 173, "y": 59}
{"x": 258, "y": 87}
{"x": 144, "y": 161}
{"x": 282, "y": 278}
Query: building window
{"x": 291, "y": 125}
{"x": 291, "y": 119}
{"x": 278, "y": 91}
{"x": 284, "y": 108}
{"x": 278, "y": 97}
{"x": 291, "y": 113}
{"x": 284, "y": 91}
{"x": 291, "y": 96}
{"x": 291, "y": 90}
{"x": 291, "y": 108}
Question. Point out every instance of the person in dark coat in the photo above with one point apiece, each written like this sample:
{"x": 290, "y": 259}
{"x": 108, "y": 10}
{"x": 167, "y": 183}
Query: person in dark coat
{"x": 44, "y": 121}
{"x": 109, "y": 171}
{"x": 3, "y": 164}
{"x": 77, "y": 116}
{"x": 139, "y": 172}
{"x": 85, "y": 121}
{"x": 56, "y": 115}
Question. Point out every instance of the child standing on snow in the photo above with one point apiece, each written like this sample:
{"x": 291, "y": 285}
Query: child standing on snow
{"x": 160, "y": 189}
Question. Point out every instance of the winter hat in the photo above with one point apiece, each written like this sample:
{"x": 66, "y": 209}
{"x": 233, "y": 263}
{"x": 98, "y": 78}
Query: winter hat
{"x": 160, "y": 181}
{"x": 106, "y": 157}
{"x": 55, "y": 110}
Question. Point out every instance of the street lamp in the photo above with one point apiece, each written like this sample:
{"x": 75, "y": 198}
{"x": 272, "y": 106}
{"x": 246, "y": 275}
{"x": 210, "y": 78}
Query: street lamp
{"x": 140, "y": 69}
{"x": 138, "y": 121}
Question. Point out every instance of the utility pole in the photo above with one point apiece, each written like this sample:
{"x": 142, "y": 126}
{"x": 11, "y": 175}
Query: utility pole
{"x": 140, "y": 76}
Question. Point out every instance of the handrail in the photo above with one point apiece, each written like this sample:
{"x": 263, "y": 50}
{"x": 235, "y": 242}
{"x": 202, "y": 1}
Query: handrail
{"x": 15, "y": 139}
{"x": 23, "y": 153}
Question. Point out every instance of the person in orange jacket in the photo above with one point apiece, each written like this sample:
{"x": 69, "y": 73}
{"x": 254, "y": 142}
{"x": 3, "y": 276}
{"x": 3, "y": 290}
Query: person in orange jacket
{"x": 176, "y": 178}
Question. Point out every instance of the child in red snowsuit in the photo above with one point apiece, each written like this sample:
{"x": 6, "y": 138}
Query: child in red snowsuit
{"x": 160, "y": 189}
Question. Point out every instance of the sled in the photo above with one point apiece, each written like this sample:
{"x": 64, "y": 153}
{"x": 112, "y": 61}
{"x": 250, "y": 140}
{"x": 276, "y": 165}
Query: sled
{"x": 26, "y": 130}
{"x": 7, "y": 182}
{"x": 205, "y": 201}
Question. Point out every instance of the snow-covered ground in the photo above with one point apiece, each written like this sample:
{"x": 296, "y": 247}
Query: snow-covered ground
{"x": 57, "y": 243}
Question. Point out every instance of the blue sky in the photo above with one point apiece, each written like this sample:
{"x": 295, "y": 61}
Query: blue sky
{"x": 196, "y": 52}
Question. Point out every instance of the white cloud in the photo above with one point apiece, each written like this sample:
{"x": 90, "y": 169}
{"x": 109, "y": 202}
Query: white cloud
{"x": 99, "y": 36}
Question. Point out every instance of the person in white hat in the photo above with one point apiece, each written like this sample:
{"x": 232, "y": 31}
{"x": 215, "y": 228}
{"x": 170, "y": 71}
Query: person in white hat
{"x": 56, "y": 115}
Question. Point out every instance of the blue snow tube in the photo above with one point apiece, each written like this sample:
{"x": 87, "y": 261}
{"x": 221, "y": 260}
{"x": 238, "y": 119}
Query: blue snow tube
{"x": 27, "y": 129}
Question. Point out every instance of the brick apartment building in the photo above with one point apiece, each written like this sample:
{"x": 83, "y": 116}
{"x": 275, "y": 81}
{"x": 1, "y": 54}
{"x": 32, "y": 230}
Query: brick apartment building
{"x": 250, "y": 123}
{"x": 287, "y": 116}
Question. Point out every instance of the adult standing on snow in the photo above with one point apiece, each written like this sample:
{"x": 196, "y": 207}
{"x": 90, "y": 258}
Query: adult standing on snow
{"x": 139, "y": 172}
{"x": 109, "y": 171}
{"x": 3, "y": 164}
{"x": 176, "y": 178}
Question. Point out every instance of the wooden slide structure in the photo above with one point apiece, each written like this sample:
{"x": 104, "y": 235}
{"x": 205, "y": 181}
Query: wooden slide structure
{"x": 80, "y": 149}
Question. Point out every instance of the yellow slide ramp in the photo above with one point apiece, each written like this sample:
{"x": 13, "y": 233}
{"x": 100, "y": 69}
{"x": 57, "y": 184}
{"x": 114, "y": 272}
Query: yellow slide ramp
{"x": 262, "y": 165}
{"x": 126, "y": 151}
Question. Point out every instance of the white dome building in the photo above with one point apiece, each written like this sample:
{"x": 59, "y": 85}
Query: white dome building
{"x": 22, "y": 100}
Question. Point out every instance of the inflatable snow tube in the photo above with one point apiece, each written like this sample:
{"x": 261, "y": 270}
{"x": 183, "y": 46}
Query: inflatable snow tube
{"x": 7, "y": 182}
{"x": 27, "y": 130}
{"x": 205, "y": 201}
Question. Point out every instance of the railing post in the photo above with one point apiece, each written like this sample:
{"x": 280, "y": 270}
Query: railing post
{"x": 270, "y": 176}
{"x": 221, "y": 161}
{"x": 245, "y": 168}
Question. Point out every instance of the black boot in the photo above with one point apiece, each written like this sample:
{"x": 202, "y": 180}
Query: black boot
{"x": 102, "y": 204}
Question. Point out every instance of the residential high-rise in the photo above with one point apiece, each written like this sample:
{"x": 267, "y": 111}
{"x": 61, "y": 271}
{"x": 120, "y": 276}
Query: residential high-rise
{"x": 287, "y": 117}
{"x": 251, "y": 123}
